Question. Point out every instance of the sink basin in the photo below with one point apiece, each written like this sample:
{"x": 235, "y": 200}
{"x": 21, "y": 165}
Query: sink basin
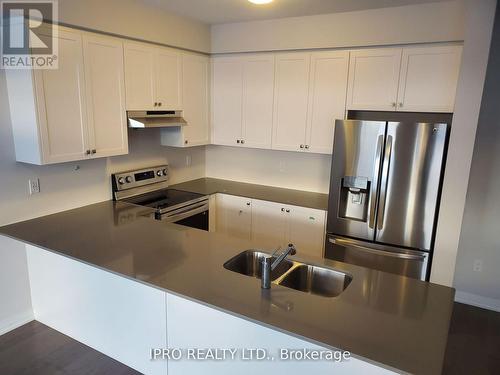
{"x": 316, "y": 280}
{"x": 249, "y": 263}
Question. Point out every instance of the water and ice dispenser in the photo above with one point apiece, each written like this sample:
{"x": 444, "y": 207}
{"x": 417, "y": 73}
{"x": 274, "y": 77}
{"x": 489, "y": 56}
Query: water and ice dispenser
{"x": 354, "y": 198}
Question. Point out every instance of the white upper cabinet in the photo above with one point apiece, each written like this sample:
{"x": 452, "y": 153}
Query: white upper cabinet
{"x": 373, "y": 79}
{"x": 73, "y": 112}
{"x": 258, "y": 90}
{"x": 227, "y": 93}
{"x": 328, "y": 87}
{"x": 429, "y": 78}
{"x": 243, "y": 100}
{"x": 60, "y": 98}
{"x": 105, "y": 95}
{"x": 195, "y": 103}
{"x": 291, "y": 101}
{"x": 168, "y": 79}
{"x": 195, "y": 94}
{"x": 153, "y": 77}
{"x": 140, "y": 76}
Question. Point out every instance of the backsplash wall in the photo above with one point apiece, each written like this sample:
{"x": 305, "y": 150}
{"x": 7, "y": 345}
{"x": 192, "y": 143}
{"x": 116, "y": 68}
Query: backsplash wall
{"x": 293, "y": 170}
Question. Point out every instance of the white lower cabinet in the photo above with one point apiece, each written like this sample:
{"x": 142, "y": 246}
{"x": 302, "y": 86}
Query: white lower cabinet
{"x": 276, "y": 225}
{"x": 121, "y": 318}
{"x": 234, "y": 216}
{"x": 271, "y": 225}
{"x": 192, "y": 325}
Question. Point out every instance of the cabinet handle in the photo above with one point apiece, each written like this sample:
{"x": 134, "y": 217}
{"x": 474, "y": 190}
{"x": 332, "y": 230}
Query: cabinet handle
{"x": 248, "y": 203}
{"x": 307, "y": 147}
{"x": 87, "y": 152}
{"x": 393, "y": 104}
{"x": 238, "y": 141}
{"x": 159, "y": 104}
{"x": 400, "y": 104}
{"x": 186, "y": 142}
{"x": 242, "y": 141}
{"x": 94, "y": 151}
{"x": 282, "y": 209}
{"x": 288, "y": 211}
{"x": 155, "y": 104}
{"x": 301, "y": 146}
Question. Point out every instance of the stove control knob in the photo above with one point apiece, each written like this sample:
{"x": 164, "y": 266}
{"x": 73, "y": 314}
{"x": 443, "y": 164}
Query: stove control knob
{"x": 121, "y": 180}
{"x": 128, "y": 179}
{"x": 159, "y": 173}
{"x": 165, "y": 172}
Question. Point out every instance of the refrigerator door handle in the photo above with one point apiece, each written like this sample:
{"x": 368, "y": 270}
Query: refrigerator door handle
{"x": 374, "y": 187}
{"x": 385, "y": 179}
{"x": 340, "y": 242}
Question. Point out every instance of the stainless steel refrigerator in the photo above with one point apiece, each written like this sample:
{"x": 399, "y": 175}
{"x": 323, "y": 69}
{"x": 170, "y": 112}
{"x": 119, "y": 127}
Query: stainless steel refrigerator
{"x": 384, "y": 194}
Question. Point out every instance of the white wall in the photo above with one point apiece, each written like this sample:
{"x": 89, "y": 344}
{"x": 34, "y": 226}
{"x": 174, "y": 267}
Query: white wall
{"x": 135, "y": 19}
{"x": 432, "y": 22}
{"x": 69, "y": 185}
{"x": 479, "y": 240}
{"x": 478, "y": 27}
{"x": 292, "y": 170}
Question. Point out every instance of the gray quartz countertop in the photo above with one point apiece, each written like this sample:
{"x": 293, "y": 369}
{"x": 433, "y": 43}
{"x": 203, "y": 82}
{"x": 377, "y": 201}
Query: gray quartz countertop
{"x": 301, "y": 198}
{"x": 394, "y": 321}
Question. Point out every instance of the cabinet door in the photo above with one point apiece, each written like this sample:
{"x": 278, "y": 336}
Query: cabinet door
{"x": 291, "y": 101}
{"x": 327, "y": 99}
{"x": 268, "y": 225}
{"x": 168, "y": 79}
{"x": 258, "y": 90}
{"x": 373, "y": 79}
{"x": 140, "y": 77}
{"x": 306, "y": 230}
{"x": 105, "y": 89}
{"x": 195, "y": 95}
{"x": 429, "y": 77}
{"x": 234, "y": 216}
{"x": 61, "y": 103}
{"x": 227, "y": 100}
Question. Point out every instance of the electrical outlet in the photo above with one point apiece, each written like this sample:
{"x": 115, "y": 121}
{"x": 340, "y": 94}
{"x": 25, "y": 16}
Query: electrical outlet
{"x": 34, "y": 186}
{"x": 188, "y": 160}
{"x": 478, "y": 265}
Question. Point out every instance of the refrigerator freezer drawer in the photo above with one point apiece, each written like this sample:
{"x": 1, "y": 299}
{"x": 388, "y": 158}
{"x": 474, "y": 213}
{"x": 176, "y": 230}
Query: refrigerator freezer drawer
{"x": 390, "y": 259}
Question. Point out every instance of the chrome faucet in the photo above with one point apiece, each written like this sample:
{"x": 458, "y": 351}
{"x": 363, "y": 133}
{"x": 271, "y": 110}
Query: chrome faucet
{"x": 267, "y": 266}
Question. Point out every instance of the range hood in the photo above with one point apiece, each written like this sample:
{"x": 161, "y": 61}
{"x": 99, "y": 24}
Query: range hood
{"x": 155, "y": 119}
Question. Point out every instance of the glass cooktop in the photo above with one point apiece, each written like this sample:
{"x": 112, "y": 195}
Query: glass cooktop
{"x": 162, "y": 199}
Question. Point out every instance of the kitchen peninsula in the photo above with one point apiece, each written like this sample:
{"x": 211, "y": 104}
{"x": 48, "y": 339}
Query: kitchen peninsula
{"x": 127, "y": 288}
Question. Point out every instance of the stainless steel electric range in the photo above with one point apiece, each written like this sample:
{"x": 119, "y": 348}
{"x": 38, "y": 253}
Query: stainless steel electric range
{"x": 148, "y": 187}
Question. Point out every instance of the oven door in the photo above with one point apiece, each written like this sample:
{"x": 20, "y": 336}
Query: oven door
{"x": 194, "y": 215}
{"x": 404, "y": 262}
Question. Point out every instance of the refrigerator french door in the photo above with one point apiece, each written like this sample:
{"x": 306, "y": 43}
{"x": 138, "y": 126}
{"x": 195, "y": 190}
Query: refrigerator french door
{"x": 384, "y": 194}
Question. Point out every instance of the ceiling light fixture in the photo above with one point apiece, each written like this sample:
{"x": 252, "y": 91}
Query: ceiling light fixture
{"x": 260, "y": 1}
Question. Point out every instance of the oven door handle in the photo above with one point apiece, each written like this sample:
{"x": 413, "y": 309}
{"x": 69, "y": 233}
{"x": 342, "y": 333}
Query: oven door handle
{"x": 336, "y": 241}
{"x": 185, "y": 214}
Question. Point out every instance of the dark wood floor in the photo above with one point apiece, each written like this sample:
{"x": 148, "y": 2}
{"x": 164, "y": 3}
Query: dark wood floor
{"x": 473, "y": 342}
{"x": 35, "y": 349}
{"x": 473, "y": 349}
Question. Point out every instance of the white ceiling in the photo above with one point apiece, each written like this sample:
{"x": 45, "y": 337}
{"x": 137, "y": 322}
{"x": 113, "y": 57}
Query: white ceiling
{"x": 225, "y": 11}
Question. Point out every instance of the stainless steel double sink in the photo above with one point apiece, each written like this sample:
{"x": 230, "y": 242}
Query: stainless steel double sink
{"x": 307, "y": 278}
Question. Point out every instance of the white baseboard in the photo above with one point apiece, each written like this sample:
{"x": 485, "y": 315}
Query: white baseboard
{"x": 477, "y": 300}
{"x": 7, "y": 325}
